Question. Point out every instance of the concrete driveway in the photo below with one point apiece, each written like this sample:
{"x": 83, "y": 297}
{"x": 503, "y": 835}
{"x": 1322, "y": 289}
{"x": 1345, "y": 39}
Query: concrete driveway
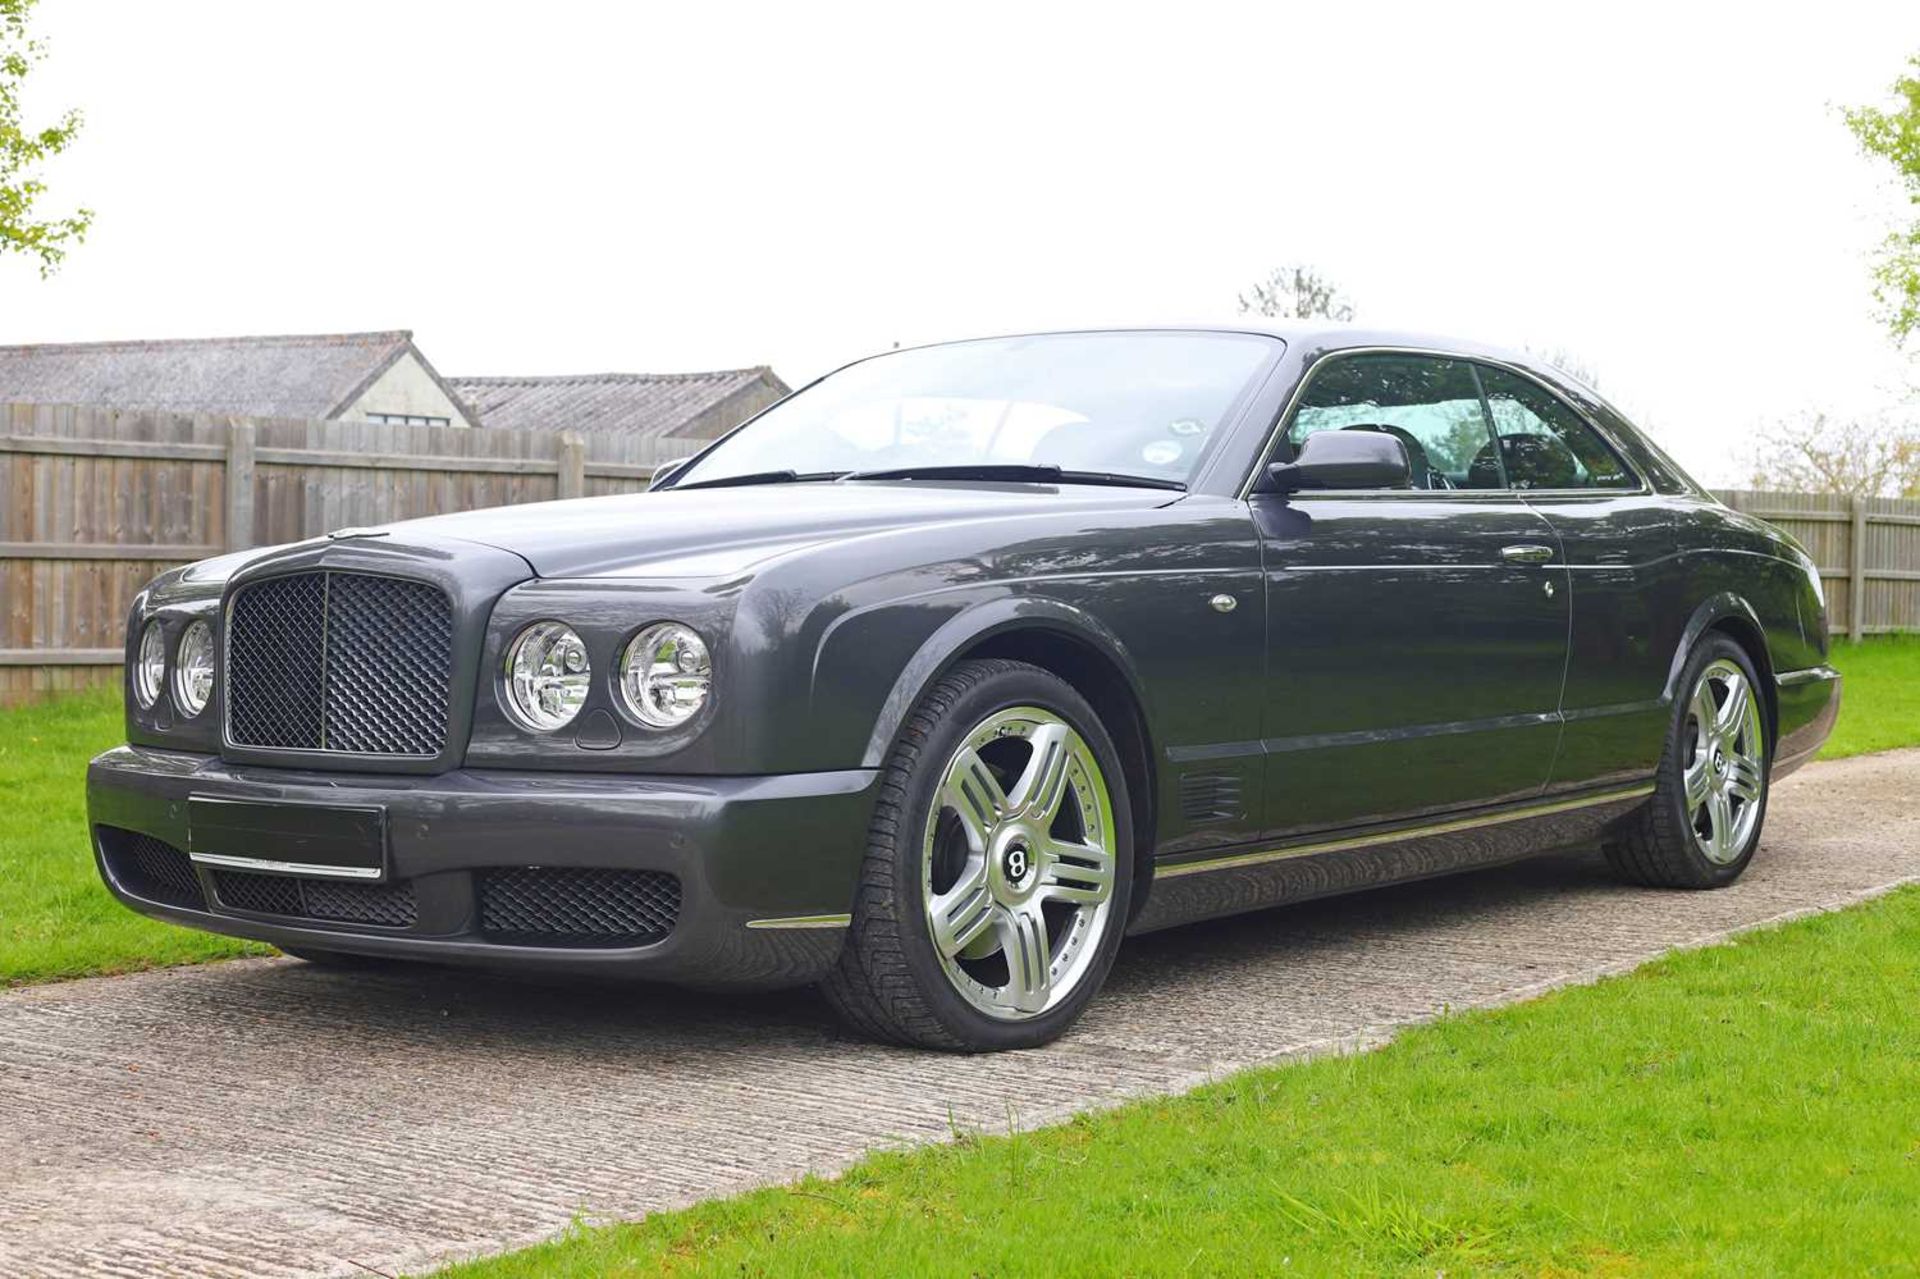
{"x": 263, "y": 1117}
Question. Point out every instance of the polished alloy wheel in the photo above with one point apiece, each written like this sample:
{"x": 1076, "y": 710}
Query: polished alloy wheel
{"x": 1019, "y": 863}
{"x": 1724, "y": 770}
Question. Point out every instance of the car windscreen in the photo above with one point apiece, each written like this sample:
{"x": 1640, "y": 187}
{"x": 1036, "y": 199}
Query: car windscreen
{"x": 1148, "y": 404}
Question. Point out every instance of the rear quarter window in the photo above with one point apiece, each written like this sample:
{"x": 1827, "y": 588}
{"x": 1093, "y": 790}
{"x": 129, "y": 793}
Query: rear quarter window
{"x": 1544, "y": 443}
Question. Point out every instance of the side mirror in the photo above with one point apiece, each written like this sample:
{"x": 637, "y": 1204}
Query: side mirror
{"x": 666, "y": 471}
{"x": 1343, "y": 460}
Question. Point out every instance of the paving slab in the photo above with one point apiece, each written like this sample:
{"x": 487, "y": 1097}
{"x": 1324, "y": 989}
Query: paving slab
{"x": 269, "y": 1118}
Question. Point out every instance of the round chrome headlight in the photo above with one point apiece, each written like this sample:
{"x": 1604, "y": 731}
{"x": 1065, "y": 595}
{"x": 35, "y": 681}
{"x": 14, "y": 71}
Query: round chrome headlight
{"x": 150, "y": 666}
{"x": 193, "y": 670}
{"x": 548, "y": 676}
{"x": 666, "y": 675}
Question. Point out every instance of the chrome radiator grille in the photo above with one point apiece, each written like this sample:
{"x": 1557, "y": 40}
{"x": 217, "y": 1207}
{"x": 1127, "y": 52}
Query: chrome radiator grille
{"x": 341, "y": 662}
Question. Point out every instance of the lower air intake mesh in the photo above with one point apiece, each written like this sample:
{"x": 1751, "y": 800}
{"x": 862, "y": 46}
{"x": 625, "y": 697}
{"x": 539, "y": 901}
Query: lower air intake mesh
{"x": 388, "y": 905}
{"x": 151, "y": 868}
{"x": 577, "y": 906}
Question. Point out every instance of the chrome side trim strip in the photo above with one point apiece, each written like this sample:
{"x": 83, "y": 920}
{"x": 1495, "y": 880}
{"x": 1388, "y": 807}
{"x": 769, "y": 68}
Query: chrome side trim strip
{"x": 1647, "y": 707}
{"x": 802, "y": 921}
{"x": 268, "y": 866}
{"x": 1792, "y": 679}
{"x": 1234, "y": 860}
{"x": 1372, "y": 736}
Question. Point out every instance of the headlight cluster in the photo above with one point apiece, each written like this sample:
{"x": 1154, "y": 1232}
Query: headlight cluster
{"x": 663, "y": 677}
{"x": 666, "y": 675}
{"x": 150, "y": 668}
{"x": 192, "y": 684}
{"x": 548, "y": 676}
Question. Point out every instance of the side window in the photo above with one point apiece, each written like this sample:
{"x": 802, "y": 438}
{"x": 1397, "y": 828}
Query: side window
{"x": 1432, "y": 405}
{"x": 1545, "y": 444}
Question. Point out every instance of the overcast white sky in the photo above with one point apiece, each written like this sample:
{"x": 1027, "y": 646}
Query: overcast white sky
{"x": 1666, "y": 191}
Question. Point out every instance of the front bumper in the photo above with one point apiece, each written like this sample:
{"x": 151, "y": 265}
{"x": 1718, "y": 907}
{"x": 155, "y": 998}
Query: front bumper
{"x": 766, "y": 866}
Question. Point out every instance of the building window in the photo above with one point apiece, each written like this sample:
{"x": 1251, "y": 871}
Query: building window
{"x": 408, "y": 419}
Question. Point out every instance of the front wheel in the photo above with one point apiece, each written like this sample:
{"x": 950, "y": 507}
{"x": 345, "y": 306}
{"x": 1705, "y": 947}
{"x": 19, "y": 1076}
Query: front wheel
{"x": 998, "y": 869}
{"x": 1702, "y": 825}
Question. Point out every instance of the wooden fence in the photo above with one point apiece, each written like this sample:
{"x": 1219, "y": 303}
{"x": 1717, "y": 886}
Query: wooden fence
{"x": 1868, "y": 550}
{"x": 95, "y": 502}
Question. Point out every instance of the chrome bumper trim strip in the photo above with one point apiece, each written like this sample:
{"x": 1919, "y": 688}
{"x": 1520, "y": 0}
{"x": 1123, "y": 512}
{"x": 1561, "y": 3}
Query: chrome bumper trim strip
{"x": 803, "y": 921}
{"x": 267, "y": 865}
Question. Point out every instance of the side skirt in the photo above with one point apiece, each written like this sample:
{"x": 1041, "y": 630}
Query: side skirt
{"x": 1229, "y": 883}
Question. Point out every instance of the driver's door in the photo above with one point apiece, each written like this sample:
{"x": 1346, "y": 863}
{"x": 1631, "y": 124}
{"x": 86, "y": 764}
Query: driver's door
{"x": 1417, "y": 638}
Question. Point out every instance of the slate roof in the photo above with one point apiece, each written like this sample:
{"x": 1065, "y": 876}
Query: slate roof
{"x": 647, "y": 404}
{"x": 309, "y": 376}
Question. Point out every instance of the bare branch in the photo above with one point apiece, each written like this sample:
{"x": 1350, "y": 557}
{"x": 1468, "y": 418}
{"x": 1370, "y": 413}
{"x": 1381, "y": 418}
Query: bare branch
{"x": 1855, "y": 457}
{"x": 1296, "y": 293}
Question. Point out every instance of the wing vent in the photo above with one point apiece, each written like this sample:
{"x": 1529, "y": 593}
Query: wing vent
{"x": 1210, "y": 797}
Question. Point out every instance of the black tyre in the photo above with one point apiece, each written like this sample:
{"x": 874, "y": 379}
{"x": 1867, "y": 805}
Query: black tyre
{"x": 998, "y": 870}
{"x": 1709, "y": 803}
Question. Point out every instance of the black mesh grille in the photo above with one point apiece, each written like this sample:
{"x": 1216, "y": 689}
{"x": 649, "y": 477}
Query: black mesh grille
{"x": 389, "y": 905}
{"x": 578, "y": 906}
{"x": 340, "y": 662}
{"x": 260, "y": 894}
{"x": 150, "y": 868}
{"x": 389, "y": 658}
{"x": 275, "y": 656}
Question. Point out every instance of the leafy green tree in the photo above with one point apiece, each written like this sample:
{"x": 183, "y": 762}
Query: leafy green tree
{"x": 1893, "y": 135}
{"x": 1296, "y": 293}
{"x": 23, "y": 149}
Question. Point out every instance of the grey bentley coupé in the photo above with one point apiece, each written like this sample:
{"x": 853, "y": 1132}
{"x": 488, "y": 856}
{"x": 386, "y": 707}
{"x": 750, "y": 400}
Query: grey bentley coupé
{"x": 936, "y": 680}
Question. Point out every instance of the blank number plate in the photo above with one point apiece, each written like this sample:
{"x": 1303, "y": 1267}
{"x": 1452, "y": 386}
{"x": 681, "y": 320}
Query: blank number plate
{"x": 333, "y": 841}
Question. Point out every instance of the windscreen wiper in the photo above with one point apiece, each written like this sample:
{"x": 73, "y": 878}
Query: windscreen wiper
{"x": 1014, "y": 473}
{"x": 759, "y": 477}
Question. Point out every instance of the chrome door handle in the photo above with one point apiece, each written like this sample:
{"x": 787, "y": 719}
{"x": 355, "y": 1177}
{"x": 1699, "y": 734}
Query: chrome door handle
{"x": 1531, "y": 553}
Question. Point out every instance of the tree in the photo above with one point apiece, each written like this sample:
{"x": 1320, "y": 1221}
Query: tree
{"x": 24, "y": 149}
{"x": 1854, "y": 457}
{"x": 1296, "y": 293}
{"x": 1894, "y": 136}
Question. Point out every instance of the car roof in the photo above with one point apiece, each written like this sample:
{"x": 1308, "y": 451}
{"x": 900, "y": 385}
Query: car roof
{"x": 1313, "y": 335}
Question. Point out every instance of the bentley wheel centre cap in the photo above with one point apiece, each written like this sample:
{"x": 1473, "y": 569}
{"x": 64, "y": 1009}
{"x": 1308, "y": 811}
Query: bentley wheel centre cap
{"x": 1016, "y": 862}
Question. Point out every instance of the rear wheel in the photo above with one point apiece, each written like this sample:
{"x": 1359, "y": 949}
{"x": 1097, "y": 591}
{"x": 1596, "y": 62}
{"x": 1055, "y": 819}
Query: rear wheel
{"x": 1703, "y": 823}
{"x": 998, "y": 868}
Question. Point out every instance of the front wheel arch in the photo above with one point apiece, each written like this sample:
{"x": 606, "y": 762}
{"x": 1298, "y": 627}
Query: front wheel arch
{"x": 1064, "y": 641}
{"x": 891, "y": 980}
{"x": 1096, "y": 676}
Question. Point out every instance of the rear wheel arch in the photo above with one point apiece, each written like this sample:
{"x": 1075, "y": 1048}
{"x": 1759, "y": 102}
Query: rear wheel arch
{"x": 1730, "y": 615}
{"x": 1746, "y": 633}
{"x": 1712, "y": 770}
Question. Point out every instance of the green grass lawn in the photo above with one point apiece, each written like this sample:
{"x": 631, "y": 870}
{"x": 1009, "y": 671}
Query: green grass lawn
{"x": 1881, "y": 706}
{"x": 1749, "y": 1109}
{"x": 55, "y": 918}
